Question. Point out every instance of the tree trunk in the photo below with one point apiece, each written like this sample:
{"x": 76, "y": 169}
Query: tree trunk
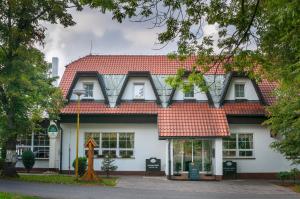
{"x": 9, "y": 169}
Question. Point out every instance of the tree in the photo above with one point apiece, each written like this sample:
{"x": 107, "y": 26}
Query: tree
{"x": 26, "y": 92}
{"x": 108, "y": 165}
{"x": 257, "y": 37}
{"x": 28, "y": 160}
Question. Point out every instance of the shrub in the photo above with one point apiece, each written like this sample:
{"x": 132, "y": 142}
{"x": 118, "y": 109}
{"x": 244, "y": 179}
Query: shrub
{"x": 283, "y": 175}
{"x": 82, "y": 165}
{"x": 28, "y": 160}
{"x": 294, "y": 173}
{"x": 108, "y": 165}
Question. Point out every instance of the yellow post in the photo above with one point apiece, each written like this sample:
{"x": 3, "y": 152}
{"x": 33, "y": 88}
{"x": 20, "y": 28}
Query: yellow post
{"x": 77, "y": 137}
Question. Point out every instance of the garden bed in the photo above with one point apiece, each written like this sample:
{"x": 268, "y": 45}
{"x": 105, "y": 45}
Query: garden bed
{"x": 65, "y": 179}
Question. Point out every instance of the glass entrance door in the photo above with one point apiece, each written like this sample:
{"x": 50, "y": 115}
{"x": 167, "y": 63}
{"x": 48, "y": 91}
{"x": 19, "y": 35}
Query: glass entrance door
{"x": 187, "y": 151}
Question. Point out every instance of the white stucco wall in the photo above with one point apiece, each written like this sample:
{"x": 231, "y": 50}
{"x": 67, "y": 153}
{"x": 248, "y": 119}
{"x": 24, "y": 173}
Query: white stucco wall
{"x": 198, "y": 95}
{"x": 129, "y": 90}
{"x": 38, "y": 164}
{"x": 146, "y": 144}
{"x": 250, "y": 93}
{"x": 265, "y": 160}
{"x": 97, "y": 93}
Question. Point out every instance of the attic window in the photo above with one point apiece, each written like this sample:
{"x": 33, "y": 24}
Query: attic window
{"x": 239, "y": 90}
{"x": 190, "y": 94}
{"x": 88, "y": 88}
{"x": 139, "y": 91}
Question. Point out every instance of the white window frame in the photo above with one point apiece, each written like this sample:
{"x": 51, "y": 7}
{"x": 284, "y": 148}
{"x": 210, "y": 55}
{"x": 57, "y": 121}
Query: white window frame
{"x": 134, "y": 86}
{"x": 237, "y": 150}
{"x": 83, "y": 86}
{"x": 100, "y": 149}
{"x": 239, "y": 83}
{"x": 190, "y": 97}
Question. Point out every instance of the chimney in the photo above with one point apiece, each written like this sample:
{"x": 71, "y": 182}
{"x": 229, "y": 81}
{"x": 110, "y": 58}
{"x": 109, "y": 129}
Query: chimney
{"x": 55, "y": 70}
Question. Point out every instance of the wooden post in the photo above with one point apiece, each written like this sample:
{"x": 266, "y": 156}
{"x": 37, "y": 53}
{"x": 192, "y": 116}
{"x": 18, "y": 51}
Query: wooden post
{"x": 90, "y": 173}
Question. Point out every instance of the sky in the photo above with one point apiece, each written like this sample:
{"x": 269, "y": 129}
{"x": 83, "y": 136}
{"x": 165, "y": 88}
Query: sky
{"x": 106, "y": 36}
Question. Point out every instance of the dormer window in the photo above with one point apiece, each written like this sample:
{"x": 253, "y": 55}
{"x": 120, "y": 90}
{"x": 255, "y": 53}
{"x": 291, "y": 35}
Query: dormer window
{"x": 138, "y": 92}
{"x": 190, "y": 94}
{"x": 88, "y": 88}
{"x": 239, "y": 90}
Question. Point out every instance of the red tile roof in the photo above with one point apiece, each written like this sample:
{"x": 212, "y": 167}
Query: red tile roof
{"x": 121, "y": 64}
{"x": 101, "y": 108}
{"x": 192, "y": 120}
{"x": 244, "y": 108}
{"x": 266, "y": 89}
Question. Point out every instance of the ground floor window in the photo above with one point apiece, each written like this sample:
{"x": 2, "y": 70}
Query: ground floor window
{"x": 238, "y": 145}
{"x": 117, "y": 145}
{"x": 188, "y": 151}
{"x": 38, "y": 143}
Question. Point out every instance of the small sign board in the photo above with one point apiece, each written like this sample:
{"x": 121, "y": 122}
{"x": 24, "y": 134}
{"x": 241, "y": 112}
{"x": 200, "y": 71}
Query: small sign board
{"x": 229, "y": 168}
{"x": 153, "y": 164}
{"x": 52, "y": 130}
{"x": 193, "y": 172}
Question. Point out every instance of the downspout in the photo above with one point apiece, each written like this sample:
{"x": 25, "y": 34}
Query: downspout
{"x": 61, "y": 149}
{"x": 169, "y": 160}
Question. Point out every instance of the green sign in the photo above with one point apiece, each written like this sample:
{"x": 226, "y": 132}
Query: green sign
{"x": 52, "y": 128}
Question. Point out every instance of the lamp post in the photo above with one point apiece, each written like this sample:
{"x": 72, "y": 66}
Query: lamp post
{"x": 77, "y": 92}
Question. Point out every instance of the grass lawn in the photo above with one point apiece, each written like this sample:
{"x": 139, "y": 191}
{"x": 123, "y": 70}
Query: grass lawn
{"x": 65, "y": 179}
{"x": 15, "y": 196}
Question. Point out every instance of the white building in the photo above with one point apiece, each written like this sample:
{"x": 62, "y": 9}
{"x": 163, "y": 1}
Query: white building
{"x": 133, "y": 115}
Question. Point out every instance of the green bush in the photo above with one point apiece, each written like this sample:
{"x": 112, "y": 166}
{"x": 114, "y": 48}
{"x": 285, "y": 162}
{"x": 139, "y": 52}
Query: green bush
{"x": 28, "y": 160}
{"x": 294, "y": 173}
{"x": 82, "y": 165}
{"x": 284, "y": 175}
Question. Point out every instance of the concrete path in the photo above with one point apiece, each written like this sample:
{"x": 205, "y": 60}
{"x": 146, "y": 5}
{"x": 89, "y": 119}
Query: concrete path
{"x": 154, "y": 188}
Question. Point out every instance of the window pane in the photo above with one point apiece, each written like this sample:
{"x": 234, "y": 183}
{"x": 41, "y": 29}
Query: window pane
{"x": 190, "y": 94}
{"x": 109, "y": 140}
{"x": 126, "y": 140}
{"x": 229, "y": 153}
{"x": 230, "y": 142}
{"x": 239, "y": 90}
{"x": 126, "y": 154}
{"x": 138, "y": 91}
{"x": 111, "y": 153}
{"x": 41, "y": 152}
{"x": 88, "y": 88}
{"x": 246, "y": 153}
{"x": 245, "y": 141}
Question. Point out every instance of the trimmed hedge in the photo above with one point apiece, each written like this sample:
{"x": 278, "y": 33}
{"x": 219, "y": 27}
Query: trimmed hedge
{"x": 82, "y": 165}
{"x": 28, "y": 160}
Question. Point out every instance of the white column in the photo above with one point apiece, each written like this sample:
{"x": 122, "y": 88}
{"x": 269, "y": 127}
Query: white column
{"x": 218, "y": 165}
{"x": 52, "y": 153}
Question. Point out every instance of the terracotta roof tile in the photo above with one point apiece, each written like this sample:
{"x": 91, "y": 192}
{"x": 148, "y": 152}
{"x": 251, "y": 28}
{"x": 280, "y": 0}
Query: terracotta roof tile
{"x": 101, "y": 108}
{"x": 192, "y": 119}
{"x": 244, "y": 108}
{"x": 266, "y": 89}
{"x": 121, "y": 64}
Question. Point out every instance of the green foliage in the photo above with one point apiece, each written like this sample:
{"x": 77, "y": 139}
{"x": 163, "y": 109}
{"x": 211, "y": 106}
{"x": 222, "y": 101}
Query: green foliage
{"x": 294, "y": 174}
{"x": 283, "y": 176}
{"x": 5, "y": 195}
{"x": 64, "y": 179}
{"x": 108, "y": 165}
{"x": 28, "y": 160}
{"x": 82, "y": 165}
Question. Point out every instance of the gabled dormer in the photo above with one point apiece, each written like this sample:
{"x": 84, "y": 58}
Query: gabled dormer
{"x": 138, "y": 86}
{"x": 240, "y": 88}
{"x": 92, "y": 84}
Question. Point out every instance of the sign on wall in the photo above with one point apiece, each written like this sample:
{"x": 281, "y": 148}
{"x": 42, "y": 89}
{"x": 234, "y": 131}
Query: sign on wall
{"x": 153, "y": 164}
{"x": 52, "y": 130}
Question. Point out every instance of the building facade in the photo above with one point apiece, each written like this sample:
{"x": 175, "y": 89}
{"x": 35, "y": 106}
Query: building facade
{"x": 134, "y": 115}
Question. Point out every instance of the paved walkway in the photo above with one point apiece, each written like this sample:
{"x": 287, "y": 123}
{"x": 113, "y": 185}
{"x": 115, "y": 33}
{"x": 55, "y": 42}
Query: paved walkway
{"x": 154, "y": 188}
